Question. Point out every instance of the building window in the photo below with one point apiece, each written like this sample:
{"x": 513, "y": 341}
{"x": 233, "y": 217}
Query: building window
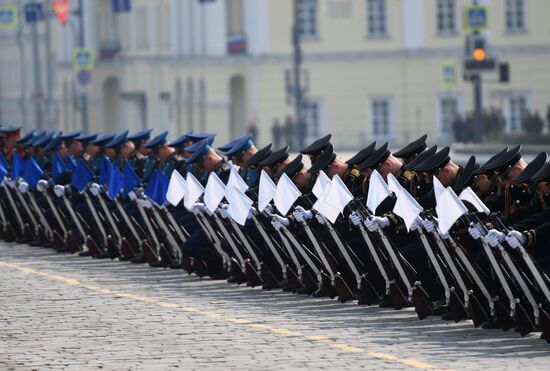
{"x": 446, "y": 16}
{"x": 311, "y": 112}
{"x": 163, "y": 20}
{"x": 380, "y": 117}
{"x": 517, "y": 111}
{"x": 141, "y": 27}
{"x": 448, "y": 112}
{"x": 376, "y": 18}
{"x": 515, "y": 15}
{"x": 306, "y": 13}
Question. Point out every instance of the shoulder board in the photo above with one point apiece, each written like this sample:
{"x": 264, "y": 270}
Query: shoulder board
{"x": 408, "y": 175}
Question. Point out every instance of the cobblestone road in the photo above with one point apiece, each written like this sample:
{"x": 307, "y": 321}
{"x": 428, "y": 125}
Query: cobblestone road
{"x": 68, "y": 312}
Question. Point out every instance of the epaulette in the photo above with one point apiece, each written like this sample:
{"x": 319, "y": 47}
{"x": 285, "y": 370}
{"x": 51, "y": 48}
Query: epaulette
{"x": 408, "y": 175}
{"x": 355, "y": 173}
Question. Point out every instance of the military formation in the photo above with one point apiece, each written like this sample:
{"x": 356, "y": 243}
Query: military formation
{"x": 409, "y": 228}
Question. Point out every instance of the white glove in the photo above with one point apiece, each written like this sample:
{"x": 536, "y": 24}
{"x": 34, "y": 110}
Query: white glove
{"x": 23, "y": 187}
{"x": 429, "y": 225}
{"x": 252, "y": 212}
{"x": 383, "y": 222}
{"x": 355, "y": 218}
{"x": 223, "y": 212}
{"x": 95, "y": 189}
{"x": 417, "y": 224}
{"x": 443, "y": 235}
{"x": 10, "y": 183}
{"x": 320, "y": 218}
{"x": 371, "y": 225}
{"x": 269, "y": 209}
{"x": 515, "y": 239}
{"x": 302, "y": 214}
{"x": 494, "y": 237}
{"x": 41, "y": 186}
{"x": 146, "y": 204}
{"x": 59, "y": 190}
{"x": 132, "y": 195}
{"x": 278, "y": 222}
{"x": 475, "y": 231}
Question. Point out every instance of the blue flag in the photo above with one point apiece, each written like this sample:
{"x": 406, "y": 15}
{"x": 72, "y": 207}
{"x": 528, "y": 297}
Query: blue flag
{"x": 71, "y": 163}
{"x": 116, "y": 182}
{"x": 58, "y": 166}
{"x": 157, "y": 187}
{"x": 3, "y": 161}
{"x": 3, "y": 171}
{"x": 131, "y": 180}
{"x": 104, "y": 171}
{"x": 82, "y": 175}
{"x": 32, "y": 173}
{"x": 17, "y": 166}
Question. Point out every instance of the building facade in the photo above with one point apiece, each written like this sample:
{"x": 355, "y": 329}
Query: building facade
{"x": 373, "y": 69}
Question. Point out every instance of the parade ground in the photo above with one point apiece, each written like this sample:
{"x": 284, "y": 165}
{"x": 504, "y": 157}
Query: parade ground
{"x": 69, "y": 312}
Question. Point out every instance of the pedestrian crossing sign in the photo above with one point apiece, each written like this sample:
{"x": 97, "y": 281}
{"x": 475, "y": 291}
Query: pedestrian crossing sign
{"x": 475, "y": 18}
{"x": 448, "y": 74}
{"x": 83, "y": 59}
{"x": 8, "y": 16}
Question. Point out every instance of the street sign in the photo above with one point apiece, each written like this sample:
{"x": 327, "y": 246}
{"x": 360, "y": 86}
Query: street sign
{"x": 448, "y": 74}
{"x": 8, "y": 16}
{"x": 83, "y": 59}
{"x": 84, "y": 77}
{"x": 61, "y": 9}
{"x": 34, "y": 12}
{"x": 475, "y": 18}
{"x": 121, "y": 6}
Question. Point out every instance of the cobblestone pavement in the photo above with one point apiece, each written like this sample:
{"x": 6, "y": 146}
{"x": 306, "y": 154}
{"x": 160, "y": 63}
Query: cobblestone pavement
{"x": 68, "y": 312}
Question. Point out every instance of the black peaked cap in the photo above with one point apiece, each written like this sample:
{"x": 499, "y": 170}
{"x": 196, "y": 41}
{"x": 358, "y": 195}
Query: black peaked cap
{"x": 435, "y": 162}
{"x": 316, "y": 147}
{"x": 376, "y": 158}
{"x": 464, "y": 179}
{"x": 483, "y": 168}
{"x": 542, "y": 174}
{"x": 292, "y": 168}
{"x": 531, "y": 169}
{"x": 421, "y": 158}
{"x": 362, "y": 155}
{"x": 259, "y": 156}
{"x": 275, "y": 157}
{"x": 412, "y": 148}
{"x": 324, "y": 160}
{"x": 506, "y": 160}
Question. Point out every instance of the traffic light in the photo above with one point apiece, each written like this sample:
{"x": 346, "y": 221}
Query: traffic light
{"x": 477, "y": 56}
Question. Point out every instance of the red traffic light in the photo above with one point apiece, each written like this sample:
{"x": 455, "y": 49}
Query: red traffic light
{"x": 61, "y": 9}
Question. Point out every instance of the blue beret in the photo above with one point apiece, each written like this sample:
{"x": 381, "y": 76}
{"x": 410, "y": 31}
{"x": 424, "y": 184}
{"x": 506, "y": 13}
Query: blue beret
{"x": 198, "y": 151}
{"x": 181, "y": 140}
{"x": 102, "y": 140}
{"x": 240, "y": 145}
{"x": 119, "y": 140}
{"x": 140, "y": 135}
{"x": 157, "y": 141}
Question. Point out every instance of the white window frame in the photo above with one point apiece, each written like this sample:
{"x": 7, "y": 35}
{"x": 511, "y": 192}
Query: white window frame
{"x": 442, "y": 11}
{"x": 382, "y": 31}
{"x": 439, "y": 113}
{"x": 508, "y": 111}
{"x": 391, "y": 118}
{"x": 316, "y": 130}
{"x": 511, "y": 10}
{"x": 304, "y": 9}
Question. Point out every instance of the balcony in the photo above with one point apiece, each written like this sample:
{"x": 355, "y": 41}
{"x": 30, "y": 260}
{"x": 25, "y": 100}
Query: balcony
{"x": 236, "y": 43}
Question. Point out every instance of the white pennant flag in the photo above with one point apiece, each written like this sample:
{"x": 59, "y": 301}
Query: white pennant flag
{"x": 214, "y": 192}
{"x": 324, "y": 208}
{"x": 378, "y": 191}
{"x": 469, "y": 195}
{"x": 320, "y": 183}
{"x": 286, "y": 194}
{"x": 239, "y": 206}
{"x": 266, "y": 191}
{"x": 193, "y": 193}
{"x": 236, "y": 181}
{"x": 339, "y": 195}
{"x": 438, "y": 188}
{"x": 393, "y": 184}
{"x": 176, "y": 188}
{"x": 406, "y": 207}
{"x": 449, "y": 208}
